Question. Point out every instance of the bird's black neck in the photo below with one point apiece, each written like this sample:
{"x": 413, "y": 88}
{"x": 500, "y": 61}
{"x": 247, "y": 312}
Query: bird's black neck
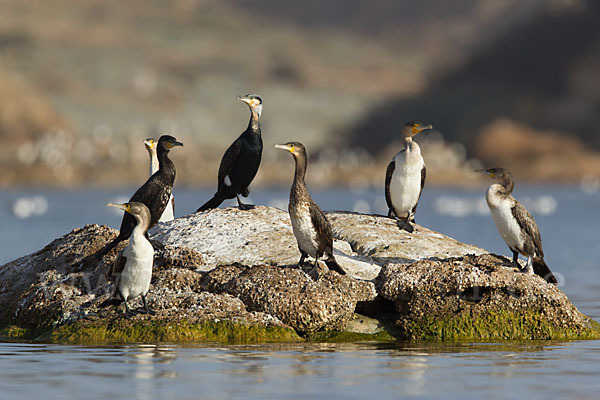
{"x": 253, "y": 124}
{"x": 165, "y": 165}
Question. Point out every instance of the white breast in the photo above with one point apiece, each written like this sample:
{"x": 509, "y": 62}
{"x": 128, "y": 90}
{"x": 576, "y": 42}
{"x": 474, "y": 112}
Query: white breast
{"x": 501, "y": 210}
{"x": 136, "y": 276}
{"x": 405, "y": 185}
{"x": 304, "y": 231}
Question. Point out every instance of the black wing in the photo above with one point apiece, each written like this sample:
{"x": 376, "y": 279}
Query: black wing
{"x": 323, "y": 228}
{"x": 229, "y": 159}
{"x": 528, "y": 225}
{"x": 117, "y": 267}
{"x": 423, "y": 175}
{"x": 388, "y": 178}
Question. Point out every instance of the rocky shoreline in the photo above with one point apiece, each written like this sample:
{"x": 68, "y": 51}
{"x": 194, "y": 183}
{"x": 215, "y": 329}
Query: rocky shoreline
{"x": 229, "y": 276}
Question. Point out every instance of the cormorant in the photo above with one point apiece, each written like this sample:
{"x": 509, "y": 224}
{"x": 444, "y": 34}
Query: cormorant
{"x": 154, "y": 194}
{"x": 241, "y": 160}
{"x": 310, "y": 226}
{"x": 405, "y": 178}
{"x": 516, "y": 226}
{"x": 132, "y": 270}
{"x": 169, "y": 213}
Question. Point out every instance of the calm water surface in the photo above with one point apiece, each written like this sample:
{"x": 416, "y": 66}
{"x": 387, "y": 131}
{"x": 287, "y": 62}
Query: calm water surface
{"x": 568, "y": 219}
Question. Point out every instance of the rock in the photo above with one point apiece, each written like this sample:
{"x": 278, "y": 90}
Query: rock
{"x": 292, "y": 296}
{"x": 379, "y": 238}
{"x": 224, "y": 236}
{"x": 230, "y": 275}
{"x": 479, "y": 297}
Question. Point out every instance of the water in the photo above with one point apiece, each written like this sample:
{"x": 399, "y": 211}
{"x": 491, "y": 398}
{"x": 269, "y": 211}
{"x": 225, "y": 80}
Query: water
{"x": 567, "y": 218}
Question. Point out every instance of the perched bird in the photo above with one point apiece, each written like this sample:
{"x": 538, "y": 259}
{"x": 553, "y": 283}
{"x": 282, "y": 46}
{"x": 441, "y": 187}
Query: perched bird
{"x": 310, "y": 226}
{"x": 241, "y": 160}
{"x": 154, "y": 194}
{"x": 132, "y": 269}
{"x": 169, "y": 213}
{"x": 405, "y": 178}
{"x": 516, "y": 226}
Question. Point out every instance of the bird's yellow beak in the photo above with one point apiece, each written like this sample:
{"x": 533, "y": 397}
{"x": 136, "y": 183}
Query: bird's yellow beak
{"x": 249, "y": 101}
{"x": 150, "y": 143}
{"x": 489, "y": 173}
{"x": 417, "y": 128}
{"x": 285, "y": 147}
{"x": 124, "y": 206}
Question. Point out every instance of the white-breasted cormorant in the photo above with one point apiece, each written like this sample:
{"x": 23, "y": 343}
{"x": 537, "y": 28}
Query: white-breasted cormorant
{"x": 155, "y": 193}
{"x": 169, "y": 213}
{"x": 132, "y": 270}
{"x": 241, "y": 160}
{"x": 405, "y": 178}
{"x": 310, "y": 226}
{"x": 516, "y": 226}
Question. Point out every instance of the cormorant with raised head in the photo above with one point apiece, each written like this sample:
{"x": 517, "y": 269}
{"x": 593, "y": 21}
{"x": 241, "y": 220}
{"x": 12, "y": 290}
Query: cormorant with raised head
{"x": 405, "y": 178}
{"x": 154, "y": 194}
{"x": 241, "y": 160}
{"x": 169, "y": 213}
{"x": 310, "y": 226}
{"x": 516, "y": 226}
{"x": 132, "y": 270}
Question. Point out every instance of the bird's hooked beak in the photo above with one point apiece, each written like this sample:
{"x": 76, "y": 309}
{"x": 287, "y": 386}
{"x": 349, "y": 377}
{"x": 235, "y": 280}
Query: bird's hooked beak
{"x": 124, "y": 206}
{"x": 420, "y": 128}
{"x": 487, "y": 172}
{"x": 150, "y": 143}
{"x": 285, "y": 147}
{"x": 174, "y": 143}
{"x": 250, "y": 101}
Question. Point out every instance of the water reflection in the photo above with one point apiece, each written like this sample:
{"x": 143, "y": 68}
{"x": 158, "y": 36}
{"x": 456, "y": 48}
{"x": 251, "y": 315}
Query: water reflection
{"x": 304, "y": 370}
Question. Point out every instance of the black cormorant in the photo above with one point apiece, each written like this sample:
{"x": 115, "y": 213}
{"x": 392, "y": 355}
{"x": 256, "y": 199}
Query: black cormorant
{"x": 241, "y": 160}
{"x": 405, "y": 178}
{"x": 132, "y": 270}
{"x": 310, "y": 226}
{"x": 155, "y": 193}
{"x": 169, "y": 213}
{"x": 516, "y": 226}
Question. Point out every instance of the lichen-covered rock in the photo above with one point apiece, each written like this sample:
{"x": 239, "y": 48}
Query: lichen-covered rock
{"x": 479, "y": 297}
{"x": 259, "y": 236}
{"x": 380, "y": 238}
{"x": 292, "y": 296}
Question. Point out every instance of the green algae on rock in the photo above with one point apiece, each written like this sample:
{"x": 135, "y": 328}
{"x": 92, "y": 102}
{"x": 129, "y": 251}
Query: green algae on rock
{"x": 479, "y": 298}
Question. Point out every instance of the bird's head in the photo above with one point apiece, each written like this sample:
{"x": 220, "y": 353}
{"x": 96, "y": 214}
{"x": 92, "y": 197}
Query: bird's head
{"x": 496, "y": 173}
{"x": 133, "y": 208}
{"x": 410, "y": 129}
{"x": 150, "y": 144}
{"x": 295, "y": 148}
{"x": 167, "y": 142}
{"x": 254, "y": 102}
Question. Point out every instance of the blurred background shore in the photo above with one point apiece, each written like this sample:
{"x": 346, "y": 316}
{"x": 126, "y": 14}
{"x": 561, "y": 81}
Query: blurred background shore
{"x": 504, "y": 82}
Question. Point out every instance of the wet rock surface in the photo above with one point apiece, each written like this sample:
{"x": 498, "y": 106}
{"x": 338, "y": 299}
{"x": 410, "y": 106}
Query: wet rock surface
{"x": 237, "y": 269}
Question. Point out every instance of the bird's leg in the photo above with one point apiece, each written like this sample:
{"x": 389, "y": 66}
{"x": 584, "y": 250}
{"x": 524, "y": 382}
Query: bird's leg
{"x": 529, "y": 268}
{"x": 516, "y": 259}
{"x": 146, "y": 309}
{"x": 243, "y": 206}
{"x": 391, "y": 213}
{"x": 314, "y": 272}
{"x": 302, "y": 257}
{"x": 405, "y": 224}
{"x": 129, "y": 313}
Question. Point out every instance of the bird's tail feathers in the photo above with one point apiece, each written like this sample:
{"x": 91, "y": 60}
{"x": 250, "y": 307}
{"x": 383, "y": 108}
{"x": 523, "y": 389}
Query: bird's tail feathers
{"x": 215, "y": 202}
{"x": 540, "y": 268}
{"x": 111, "y": 301}
{"x": 333, "y": 265}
